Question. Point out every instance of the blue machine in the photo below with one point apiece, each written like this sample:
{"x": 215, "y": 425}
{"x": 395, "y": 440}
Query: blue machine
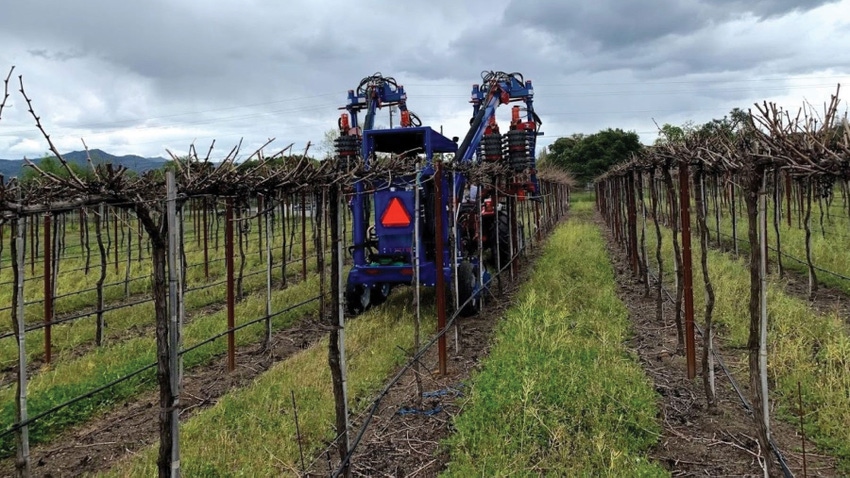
{"x": 385, "y": 217}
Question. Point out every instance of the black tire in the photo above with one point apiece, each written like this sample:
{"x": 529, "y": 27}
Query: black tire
{"x": 357, "y": 299}
{"x": 503, "y": 254}
{"x": 378, "y": 294}
{"x": 467, "y": 279}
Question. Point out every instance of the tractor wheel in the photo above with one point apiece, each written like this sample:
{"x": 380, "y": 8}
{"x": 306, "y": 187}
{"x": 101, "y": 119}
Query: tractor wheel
{"x": 504, "y": 252}
{"x": 379, "y": 293}
{"x": 467, "y": 280}
{"x": 357, "y": 299}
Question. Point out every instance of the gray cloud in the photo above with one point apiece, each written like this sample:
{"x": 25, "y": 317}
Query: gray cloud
{"x": 144, "y": 76}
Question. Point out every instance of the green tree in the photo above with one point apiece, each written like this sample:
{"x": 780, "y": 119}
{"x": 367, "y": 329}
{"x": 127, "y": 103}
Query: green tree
{"x": 49, "y": 164}
{"x": 326, "y": 146}
{"x": 587, "y": 156}
{"x": 669, "y": 133}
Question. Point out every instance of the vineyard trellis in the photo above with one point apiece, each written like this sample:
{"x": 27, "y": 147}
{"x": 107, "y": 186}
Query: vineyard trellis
{"x": 267, "y": 187}
{"x": 764, "y": 162}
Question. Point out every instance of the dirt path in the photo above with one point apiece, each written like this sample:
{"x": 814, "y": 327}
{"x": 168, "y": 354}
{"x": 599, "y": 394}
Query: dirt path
{"x": 404, "y": 437}
{"x": 697, "y": 441}
{"x": 134, "y": 424}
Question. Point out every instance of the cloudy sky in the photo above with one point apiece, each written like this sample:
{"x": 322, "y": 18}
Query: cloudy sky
{"x": 135, "y": 77}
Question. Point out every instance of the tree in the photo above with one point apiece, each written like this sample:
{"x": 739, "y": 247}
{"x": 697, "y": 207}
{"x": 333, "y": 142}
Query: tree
{"x": 327, "y": 145}
{"x": 51, "y": 165}
{"x": 669, "y": 133}
{"x": 587, "y": 156}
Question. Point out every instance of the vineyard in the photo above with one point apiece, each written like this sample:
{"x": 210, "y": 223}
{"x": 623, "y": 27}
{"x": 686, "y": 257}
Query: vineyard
{"x": 139, "y": 301}
{"x": 747, "y": 230}
{"x": 196, "y": 320}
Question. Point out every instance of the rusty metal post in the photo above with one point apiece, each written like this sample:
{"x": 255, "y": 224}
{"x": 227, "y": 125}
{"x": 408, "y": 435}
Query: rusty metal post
{"x": 34, "y": 243}
{"x": 260, "y": 207}
{"x": 632, "y": 223}
{"x": 204, "y": 213}
{"x": 231, "y": 293}
{"x": 304, "y": 236}
{"x": 687, "y": 269}
{"x": 440, "y": 266}
{"x": 115, "y": 236}
{"x": 788, "y": 197}
{"x": 48, "y": 289}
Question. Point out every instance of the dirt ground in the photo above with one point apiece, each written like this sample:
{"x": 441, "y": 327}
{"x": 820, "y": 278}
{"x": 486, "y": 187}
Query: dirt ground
{"x": 694, "y": 441}
{"x": 697, "y": 441}
{"x": 403, "y": 438}
{"x": 133, "y": 425}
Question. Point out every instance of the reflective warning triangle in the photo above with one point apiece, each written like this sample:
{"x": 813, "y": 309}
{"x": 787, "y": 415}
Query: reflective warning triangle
{"x": 395, "y": 215}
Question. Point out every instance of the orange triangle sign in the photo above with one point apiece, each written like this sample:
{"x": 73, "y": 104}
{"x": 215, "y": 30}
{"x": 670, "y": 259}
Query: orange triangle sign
{"x": 395, "y": 215}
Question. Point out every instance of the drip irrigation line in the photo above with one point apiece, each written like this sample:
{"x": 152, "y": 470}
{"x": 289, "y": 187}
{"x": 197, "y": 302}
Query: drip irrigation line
{"x": 786, "y": 255}
{"x": 373, "y": 409}
{"x": 247, "y": 324}
{"x": 123, "y": 260}
{"x": 119, "y": 380}
{"x": 746, "y": 403}
{"x": 74, "y": 400}
{"x": 74, "y": 317}
{"x": 130, "y": 304}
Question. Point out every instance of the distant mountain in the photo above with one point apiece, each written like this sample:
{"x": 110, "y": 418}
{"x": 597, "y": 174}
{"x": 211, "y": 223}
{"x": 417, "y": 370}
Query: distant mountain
{"x": 13, "y": 167}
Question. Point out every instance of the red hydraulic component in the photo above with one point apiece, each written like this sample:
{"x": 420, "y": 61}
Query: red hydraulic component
{"x": 518, "y": 123}
{"x": 492, "y": 126}
{"x": 405, "y": 119}
{"x": 344, "y": 125}
{"x": 515, "y": 119}
{"x": 395, "y": 215}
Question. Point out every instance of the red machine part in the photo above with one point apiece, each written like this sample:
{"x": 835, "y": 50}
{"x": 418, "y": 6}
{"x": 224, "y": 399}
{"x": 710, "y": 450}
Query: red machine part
{"x": 518, "y": 123}
{"x": 395, "y": 215}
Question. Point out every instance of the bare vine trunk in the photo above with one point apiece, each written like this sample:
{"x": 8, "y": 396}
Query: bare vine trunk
{"x": 659, "y": 304}
{"x": 753, "y": 343}
{"x": 702, "y": 228}
{"x": 98, "y": 232}
{"x": 157, "y": 232}
{"x": 336, "y": 357}
{"x": 677, "y": 253}
{"x": 777, "y": 205}
{"x": 807, "y": 222}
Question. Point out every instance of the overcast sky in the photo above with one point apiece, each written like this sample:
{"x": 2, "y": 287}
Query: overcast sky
{"x": 135, "y": 77}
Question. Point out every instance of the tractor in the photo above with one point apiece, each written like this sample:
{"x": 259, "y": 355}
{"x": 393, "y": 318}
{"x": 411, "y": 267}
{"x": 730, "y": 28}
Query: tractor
{"x": 395, "y": 231}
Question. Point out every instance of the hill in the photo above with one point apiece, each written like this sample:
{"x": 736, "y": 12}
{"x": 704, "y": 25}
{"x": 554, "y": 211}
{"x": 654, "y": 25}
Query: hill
{"x": 12, "y": 167}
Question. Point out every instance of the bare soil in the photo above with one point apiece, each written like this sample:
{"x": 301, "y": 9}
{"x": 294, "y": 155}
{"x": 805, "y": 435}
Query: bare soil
{"x": 403, "y": 438}
{"x": 697, "y": 441}
{"x": 134, "y": 425}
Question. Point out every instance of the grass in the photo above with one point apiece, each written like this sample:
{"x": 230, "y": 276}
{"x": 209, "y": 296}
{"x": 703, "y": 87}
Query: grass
{"x": 76, "y": 376}
{"x": 251, "y": 432}
{"x": 803, "y": 345}
{"x": 828, "y": 244}
{"x": 67, "y": 337}
{"x": 560, "y": 394}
